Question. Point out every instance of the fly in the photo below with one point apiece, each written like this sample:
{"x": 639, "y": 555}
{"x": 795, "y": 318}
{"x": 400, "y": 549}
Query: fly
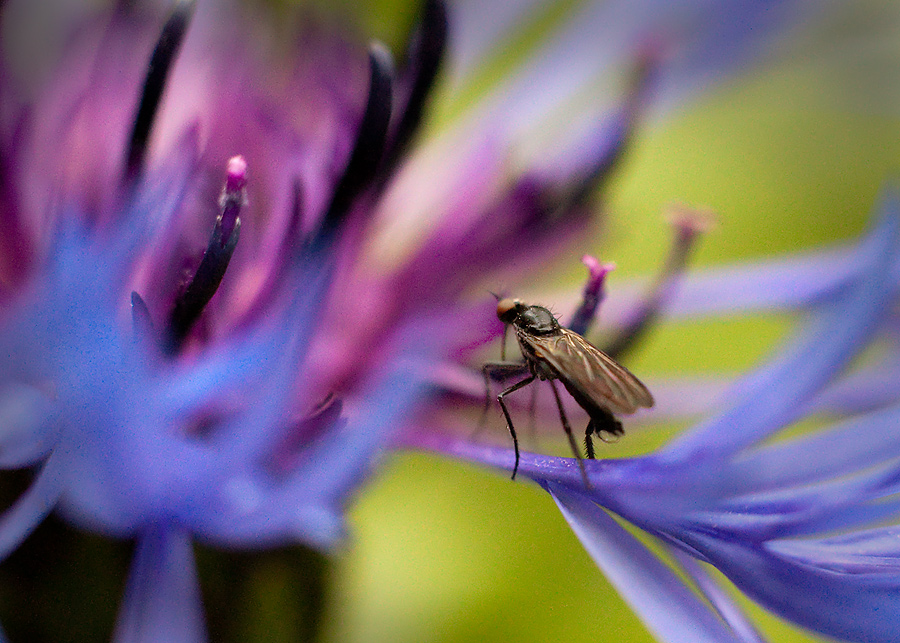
{"x": 599, "y": 384}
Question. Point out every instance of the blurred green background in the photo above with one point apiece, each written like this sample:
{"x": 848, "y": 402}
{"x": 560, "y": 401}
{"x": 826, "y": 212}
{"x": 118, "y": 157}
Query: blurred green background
{"x": 792, "y": 156}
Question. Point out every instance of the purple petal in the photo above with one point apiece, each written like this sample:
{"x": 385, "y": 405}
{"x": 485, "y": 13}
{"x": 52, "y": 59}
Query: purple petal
{"x": 664, "y": 603}
{"x": 162, "y": 599}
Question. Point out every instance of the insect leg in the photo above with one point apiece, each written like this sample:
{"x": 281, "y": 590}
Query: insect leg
{"x": 588, "y": 442}
{"x": 515, "y": 387}
{"x": 568, "y": 429}
{"x": 498, "y": 370}
{"x": 604, "y": 420}
{"x": 532, "y": 411}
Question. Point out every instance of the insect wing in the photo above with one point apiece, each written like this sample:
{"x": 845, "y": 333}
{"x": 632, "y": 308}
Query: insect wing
{"x": 594, "y": 373}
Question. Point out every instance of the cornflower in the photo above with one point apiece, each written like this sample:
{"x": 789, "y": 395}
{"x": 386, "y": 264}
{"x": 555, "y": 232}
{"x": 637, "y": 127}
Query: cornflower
{"x": 167, "y": 382}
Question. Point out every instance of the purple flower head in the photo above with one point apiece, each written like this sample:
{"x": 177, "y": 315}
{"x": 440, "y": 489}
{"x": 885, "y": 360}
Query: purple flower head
{"x": 162, "y": 297}
{"x": 204, "y": 333}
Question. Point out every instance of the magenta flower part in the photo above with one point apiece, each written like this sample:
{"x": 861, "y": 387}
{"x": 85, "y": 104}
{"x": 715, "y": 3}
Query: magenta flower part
{"x": 200, "y": 340}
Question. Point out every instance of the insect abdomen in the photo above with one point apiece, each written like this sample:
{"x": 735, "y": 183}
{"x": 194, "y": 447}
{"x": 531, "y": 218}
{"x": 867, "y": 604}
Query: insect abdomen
{"x": 601, "y": 417}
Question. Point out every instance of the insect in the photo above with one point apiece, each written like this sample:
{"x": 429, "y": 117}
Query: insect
{"x": 599, "y": 384}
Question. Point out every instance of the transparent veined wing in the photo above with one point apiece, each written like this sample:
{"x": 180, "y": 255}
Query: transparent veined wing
{"x": 583, "y": 366}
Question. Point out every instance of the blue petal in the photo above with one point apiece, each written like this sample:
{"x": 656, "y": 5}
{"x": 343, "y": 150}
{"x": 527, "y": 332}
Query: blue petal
{"x": 809, "y": 508}
{"x": 719, "y": 598}
{"x": 795, "y": 281}
{"x": 162, "y": 598}
{"x": 343, "y": 458}
{"x": 774, "y": 395}
{"x": 873, "y": 552}
{"x": 665, "y": 604}
{"x": 856, "y": 444}
{"x": 255, "y": 510}
{"x": 865, "y": 390}
{"x": 835, "y": 603}
{"x": 700, "y": 41}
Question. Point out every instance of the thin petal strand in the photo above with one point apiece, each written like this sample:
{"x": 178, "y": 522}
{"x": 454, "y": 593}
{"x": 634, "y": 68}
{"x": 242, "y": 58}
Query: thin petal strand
{"x": 162, "y": 599}
{"x": 31, "y": 508}
{"x": 773, "y": 396}
{"x": 671, "y": 611}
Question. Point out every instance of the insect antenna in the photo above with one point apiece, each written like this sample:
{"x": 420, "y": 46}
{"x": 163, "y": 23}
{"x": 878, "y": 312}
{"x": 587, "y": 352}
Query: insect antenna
{"x": 503, "y": 343}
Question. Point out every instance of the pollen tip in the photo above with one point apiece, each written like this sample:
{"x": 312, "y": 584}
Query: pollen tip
{"x": 236, "y": 174}
{"x": 596, "y": 269}
{"x": 689, "y": 221}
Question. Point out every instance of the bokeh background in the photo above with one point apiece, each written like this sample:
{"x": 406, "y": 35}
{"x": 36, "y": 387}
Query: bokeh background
{"x": 791, "y": 155}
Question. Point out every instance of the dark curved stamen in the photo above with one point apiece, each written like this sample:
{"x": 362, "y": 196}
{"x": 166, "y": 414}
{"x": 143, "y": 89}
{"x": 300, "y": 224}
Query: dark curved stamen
{"x": 16, "y": 254}
{"x": 688, "y": 225}
{"x": 161, "y": 61}
{"x": 215, "y": 260}
{"x": 424, "y": 57}
{"x": 367, "y": 151}
{"x": 295, "y": 220}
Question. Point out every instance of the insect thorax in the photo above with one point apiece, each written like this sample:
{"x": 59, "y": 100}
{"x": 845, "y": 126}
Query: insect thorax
{"x": 537, "y": 320}
{"x": 538, "y": 367}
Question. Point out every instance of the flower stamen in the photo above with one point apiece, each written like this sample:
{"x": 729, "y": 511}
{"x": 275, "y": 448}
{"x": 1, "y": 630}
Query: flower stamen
{"x": 424, "y": 57}
{"x": 592, "y": 295}
{"x": 367, "y": 151}
{"x": 164, "y": 55}
{"x": 688, "y": 224}
{"x": 211, "y": 270}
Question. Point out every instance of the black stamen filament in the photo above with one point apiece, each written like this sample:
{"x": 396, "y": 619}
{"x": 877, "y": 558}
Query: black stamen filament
{"x": 424, "y": 58}
{"x": 161, "y": 61}
{"x": 190, "y": 304}
{"x": 367, "y": 150}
